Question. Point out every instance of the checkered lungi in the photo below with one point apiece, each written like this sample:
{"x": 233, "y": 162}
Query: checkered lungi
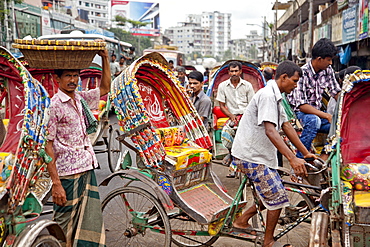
{"x": 81, "y": 218}
{"x": 267, "y": 182}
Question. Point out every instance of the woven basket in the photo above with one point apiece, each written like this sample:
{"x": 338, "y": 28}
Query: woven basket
{"x": 59, "y": 54}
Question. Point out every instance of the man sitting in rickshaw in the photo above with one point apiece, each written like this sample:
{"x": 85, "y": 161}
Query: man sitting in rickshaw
{"x": 306, "y": 99}
{"x": 234, "y": 95}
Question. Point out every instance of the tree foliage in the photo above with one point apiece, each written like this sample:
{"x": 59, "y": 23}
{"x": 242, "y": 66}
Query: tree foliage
{"x": 134, "y": 40}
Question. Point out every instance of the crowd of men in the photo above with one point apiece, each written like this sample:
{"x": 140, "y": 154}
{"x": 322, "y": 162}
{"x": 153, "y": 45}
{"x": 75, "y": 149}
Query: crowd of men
{"x": 259, "y": 116}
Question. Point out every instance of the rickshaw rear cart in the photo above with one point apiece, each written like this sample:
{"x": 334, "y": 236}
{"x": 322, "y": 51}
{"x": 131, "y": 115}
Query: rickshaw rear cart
{"x": 349, "y": 205}
{"x": 24, "y": 186}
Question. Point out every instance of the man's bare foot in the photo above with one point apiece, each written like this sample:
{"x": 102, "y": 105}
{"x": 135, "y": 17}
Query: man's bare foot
{"x": 245, "y": 228}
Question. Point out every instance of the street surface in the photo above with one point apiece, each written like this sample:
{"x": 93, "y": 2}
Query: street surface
{"x": 231, "y": 185}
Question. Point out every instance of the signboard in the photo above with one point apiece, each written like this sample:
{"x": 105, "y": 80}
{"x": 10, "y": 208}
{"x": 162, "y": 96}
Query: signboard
{"x": 349, "y": 25}
{"x": 142, "y": 12}
{"x": 363, "y": 19}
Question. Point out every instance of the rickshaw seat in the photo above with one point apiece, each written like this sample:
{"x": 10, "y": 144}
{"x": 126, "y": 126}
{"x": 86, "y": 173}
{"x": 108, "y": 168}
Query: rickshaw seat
{"x": 219, "y": 118}
{"x": 179, "y": 149}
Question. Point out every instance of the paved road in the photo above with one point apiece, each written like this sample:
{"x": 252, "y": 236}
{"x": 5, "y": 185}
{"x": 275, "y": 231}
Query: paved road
{"x": 230, "y": 183}
{"x": 221, "y": 171}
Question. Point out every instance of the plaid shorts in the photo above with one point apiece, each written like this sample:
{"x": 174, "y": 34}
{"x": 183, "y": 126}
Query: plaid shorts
{"x": 267, "y": 182}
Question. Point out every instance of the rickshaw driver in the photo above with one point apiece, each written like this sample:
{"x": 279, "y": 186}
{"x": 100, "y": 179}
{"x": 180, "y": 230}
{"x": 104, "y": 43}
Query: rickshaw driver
{"x": 255, "y": 149}
{"x": 77, "y": 207}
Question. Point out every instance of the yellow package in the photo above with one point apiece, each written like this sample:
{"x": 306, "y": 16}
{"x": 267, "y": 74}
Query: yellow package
{"x": 221, "y": 122}
{"x": 186, "y": 156}
{"x": 362, "y": 198}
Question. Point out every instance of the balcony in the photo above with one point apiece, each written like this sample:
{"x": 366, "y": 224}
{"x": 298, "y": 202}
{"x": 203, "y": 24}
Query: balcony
{"x": 290, "y": 19}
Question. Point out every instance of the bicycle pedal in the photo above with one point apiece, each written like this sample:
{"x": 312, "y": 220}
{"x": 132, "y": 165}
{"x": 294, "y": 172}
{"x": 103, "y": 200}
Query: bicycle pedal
{"x": 99, "y": 143}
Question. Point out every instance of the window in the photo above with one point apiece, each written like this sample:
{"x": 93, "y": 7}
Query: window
{"x": 87, "y": 4}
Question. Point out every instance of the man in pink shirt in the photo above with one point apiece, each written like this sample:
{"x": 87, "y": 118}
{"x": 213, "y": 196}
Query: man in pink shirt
{"x": 73, "y": 160}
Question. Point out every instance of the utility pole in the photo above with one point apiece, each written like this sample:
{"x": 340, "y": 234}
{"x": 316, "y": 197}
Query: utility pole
{"x": 310, "y": 28}
{"x": 275, "y": 46}
{"x": 14, "y": 21}
{"x": 264, "y": 38}
{"x": 6, "y": 24}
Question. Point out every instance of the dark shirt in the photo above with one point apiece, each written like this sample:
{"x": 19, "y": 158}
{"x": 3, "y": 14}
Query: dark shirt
{"x": 203, "y": 105}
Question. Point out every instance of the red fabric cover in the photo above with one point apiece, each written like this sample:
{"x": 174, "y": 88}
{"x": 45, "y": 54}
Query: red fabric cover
{"x": 153, "y": 103}
{"x": 249, "y": 74}
{"x": 217, "y": 111}
{"x": 47, "y": 78}
{"x": 355, "y": 144}
{"x": 14, "y": 105}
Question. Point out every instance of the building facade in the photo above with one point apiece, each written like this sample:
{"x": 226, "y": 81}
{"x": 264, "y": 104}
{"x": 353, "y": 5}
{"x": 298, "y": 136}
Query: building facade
{"x": 345, "y": 23}
{"x": 208, "y": 33}
{"x": 190, "y": 38}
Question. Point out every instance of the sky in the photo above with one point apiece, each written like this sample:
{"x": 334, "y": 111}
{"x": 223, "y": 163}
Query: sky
{"x": 242, "y": 12}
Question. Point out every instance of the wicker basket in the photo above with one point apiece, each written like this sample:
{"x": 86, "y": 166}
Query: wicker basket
{"x": 59, "y": 54}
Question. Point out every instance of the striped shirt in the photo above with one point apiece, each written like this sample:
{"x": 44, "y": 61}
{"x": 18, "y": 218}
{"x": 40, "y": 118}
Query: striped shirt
{"x": 311, "y": 86}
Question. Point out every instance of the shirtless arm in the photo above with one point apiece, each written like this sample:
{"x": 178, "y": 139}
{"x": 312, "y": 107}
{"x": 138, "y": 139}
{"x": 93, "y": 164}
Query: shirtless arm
{"x": 293, "y": 137}
{"x": 296, "y": 163}
{"x": 106, "y": 78}
{"x": 58, "y": 192}
{"x": 227, "y": 112}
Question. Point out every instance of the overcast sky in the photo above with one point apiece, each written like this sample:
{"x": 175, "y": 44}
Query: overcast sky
{"x": 242, "y": 12}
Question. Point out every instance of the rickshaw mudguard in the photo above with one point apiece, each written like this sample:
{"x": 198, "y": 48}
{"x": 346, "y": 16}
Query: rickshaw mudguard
{"x": 27, "y": 237}
{"x": 160, "y": 194}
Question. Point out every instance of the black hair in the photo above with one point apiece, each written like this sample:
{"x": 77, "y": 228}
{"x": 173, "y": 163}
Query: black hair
{"x": 122, "y": 57}
{"x": 132, "y": 48}
{"x": 289, "y": 68}
{"x": 268, "y": 73}
{"x": 196, "y": 75}
{"x": 324, "y": 48}
{"x": 171, "y": 61}
{"x": 113, "y": 55}
{"x": 59, "y": 72}
{"x": 234, "y": 64}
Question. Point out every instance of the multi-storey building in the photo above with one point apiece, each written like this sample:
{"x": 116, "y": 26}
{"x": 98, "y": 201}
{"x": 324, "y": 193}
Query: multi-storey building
{"x": 219, "y": 25}
{"x": 208, "y": 33}
{"x": 190, "y": 38}
{"x": 94, "y": 12}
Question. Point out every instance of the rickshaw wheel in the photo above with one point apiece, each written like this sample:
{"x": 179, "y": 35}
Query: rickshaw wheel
{"x": 300, "y": 204}
{"x": 298, "y": 236}
{"x": 134, "y": 217}
{"x": 46, "y": 241}
{"x": 114, "y": 149}
{"x": 181, "y": 222}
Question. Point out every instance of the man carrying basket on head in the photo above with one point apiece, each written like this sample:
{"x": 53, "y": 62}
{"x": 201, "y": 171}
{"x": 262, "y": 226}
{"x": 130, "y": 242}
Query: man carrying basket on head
{"x": 75, "y": 193}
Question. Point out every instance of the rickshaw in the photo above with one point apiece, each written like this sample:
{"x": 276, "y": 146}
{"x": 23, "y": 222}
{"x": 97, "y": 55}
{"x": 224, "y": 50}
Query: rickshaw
{"x": 170, "y": 195}
{"x": 24, "y": 184}
{"x": 250, "y": 73}
{"x": 271, "y": 65}
{"x": 348, "y": 210}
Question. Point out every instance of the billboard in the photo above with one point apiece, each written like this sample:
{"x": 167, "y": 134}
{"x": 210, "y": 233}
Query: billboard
{"x": 143, "y": 12}
{"x": 349, "y": 25}
{"x": 363, "y": 19}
